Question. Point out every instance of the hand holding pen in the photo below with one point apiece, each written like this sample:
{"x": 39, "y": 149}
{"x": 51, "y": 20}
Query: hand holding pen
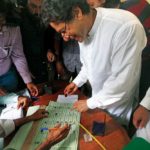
{"x": 70, "y": 89}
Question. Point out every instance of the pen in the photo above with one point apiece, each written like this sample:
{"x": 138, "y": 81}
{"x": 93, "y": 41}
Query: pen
{"x": 42, "y": 129}
{"x": 70, "y": 80}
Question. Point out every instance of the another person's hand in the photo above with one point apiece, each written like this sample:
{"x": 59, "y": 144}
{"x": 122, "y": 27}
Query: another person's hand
{"x": 33, "y": 89}
{"x": 81, "y": 106}
{"x": 55, "y": 135}
{"x": 58, "y": 133}
{"x": 2, "y": 92}
{"x": 70, "y": 89}
{"x": 50, "y": 56}
{"x": 23, "y": 102}
{"x": 41, "y": 113}
{"x": 141, "y": 117}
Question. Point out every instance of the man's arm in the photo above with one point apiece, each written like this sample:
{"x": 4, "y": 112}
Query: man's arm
{"x": 8, "y": 126}
{"x": 41, "y": 113}
{"x": 18, "y": 57}
{"x": 128, "y": 44}
{"x": 20, "y": 62}
{"x": 82, "y": 76}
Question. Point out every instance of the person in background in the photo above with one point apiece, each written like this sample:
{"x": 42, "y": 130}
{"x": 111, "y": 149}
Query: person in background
{"x": 67, "y": 58}
{"x": 33, "y": 37}
{"x": 110, "y": 52}
{"x": 11, "y": 54}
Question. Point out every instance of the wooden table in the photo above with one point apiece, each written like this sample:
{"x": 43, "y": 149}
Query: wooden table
{"x": 115, "y": 137}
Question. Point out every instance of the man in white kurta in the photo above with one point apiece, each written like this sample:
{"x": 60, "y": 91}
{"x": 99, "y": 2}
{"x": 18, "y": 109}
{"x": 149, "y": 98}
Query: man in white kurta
{"x": 111, "y": 58}
{"x": 111, "y": 43}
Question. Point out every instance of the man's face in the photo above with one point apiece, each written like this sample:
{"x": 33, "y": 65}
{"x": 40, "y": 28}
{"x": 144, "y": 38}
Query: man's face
{"x": 70, "y": 31}
{"x": 2, "y": 21}
{"x": 96, "y": 3}
{"x": 35, "y": 6}
{"x": 76, "y": 29}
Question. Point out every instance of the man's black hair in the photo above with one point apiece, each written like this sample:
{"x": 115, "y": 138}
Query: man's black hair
{"x": 111, "y": 3}
{"x": 62, "y": 10}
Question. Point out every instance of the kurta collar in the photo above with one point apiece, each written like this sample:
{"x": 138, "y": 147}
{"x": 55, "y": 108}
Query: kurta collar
{"x": 96, "y": 22}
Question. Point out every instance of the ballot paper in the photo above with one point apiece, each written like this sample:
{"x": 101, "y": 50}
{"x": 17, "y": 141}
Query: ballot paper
{"x": 32, "y": 110}
{"x": 67, "y": 99}
{"x": 11, "y": 112}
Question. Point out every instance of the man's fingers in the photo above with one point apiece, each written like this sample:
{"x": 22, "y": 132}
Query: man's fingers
{"x": 73, "y": 91}
{"x": 63, "y": 132}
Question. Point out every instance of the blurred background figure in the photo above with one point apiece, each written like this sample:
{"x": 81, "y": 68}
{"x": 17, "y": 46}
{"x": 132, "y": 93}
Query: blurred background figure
{"x": 12, "y": 57}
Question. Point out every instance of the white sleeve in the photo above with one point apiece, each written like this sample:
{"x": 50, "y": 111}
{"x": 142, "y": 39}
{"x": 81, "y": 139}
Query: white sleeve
{"x": 127, "y": 47}
{"x": 146, "y": 100}
{"x": 6, "y": 127}
{"x": 82, "y": 76}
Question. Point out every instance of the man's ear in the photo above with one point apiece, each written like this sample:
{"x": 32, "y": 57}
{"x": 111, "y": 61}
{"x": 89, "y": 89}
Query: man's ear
{"x": 78, "y": 13}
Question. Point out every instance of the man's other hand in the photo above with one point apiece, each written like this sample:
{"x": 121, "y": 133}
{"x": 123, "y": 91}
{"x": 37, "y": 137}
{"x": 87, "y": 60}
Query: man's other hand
{"x": 70, "y": 89}
{"x": 141, "y": 117}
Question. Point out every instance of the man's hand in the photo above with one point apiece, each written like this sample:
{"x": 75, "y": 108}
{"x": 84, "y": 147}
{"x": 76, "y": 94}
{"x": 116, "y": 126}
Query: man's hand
{"x": 70, "y": 89}
{"x": 41, "y": 113}
{"x": 2, "y": 92}
{"x": 81, "y": 106}
{"x": 141, "y": 117}
{"x": 33, "y": 89}
{"x": 50, "y": 56}
{"x": 55, "y": 135}
{"x": 23, "y": 102}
